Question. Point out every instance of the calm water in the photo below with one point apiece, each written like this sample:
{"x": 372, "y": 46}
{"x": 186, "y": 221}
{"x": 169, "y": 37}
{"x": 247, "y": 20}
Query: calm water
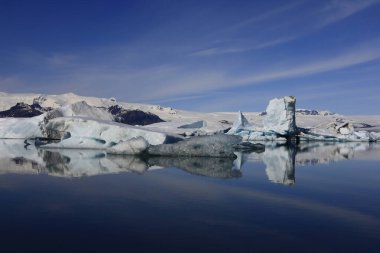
{"x": 313, "y": 198}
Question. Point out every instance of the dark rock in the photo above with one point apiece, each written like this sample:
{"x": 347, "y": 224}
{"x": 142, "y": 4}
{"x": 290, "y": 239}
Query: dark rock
{"x": 223, "y": 121}
{"x": 248, "y": 146}
{"x": 263, "y": 113}
{"x": 133, "y": 117}
{"x": 219, "y": 145}
{"x": 22, "y": 110}
{"x": 307, "y": 112}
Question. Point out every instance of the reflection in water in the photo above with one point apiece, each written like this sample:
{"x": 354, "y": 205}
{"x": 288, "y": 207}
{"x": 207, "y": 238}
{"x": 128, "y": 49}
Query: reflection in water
{"x": 280, "y": 161}
{"x": 203, "y": 166}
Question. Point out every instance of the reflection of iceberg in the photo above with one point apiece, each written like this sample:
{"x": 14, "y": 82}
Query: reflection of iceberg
{"x": 15, "y": 158}
{"x": 204, "y": 166}
{"x": 321, "y": 152}
{"x": 18, "y": 157}
{"x": 279, "y": 163}
{"x": 70, "y": 163}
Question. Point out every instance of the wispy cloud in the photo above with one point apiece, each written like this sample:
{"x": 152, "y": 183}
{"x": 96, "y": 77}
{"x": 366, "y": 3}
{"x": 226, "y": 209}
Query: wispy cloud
{"x": 338, "y": 10}
{"x": 273, "y": 20}
{"x": 178, "y": 83}
{"x": 358, "y": 56}
{"x": 235, "y": 49}
{"x": 270, "y": 14}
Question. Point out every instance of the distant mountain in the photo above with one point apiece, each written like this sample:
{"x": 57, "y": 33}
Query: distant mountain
{"x": 22, "y": 110}
{"x": 314, "y": 112}
{"x": 309, "y": 112}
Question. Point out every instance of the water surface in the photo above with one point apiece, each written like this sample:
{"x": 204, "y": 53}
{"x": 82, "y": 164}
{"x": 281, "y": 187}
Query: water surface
{"x": 312, "y": 198}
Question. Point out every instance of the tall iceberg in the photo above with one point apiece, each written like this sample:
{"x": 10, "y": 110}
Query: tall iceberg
{"x": 280, "y": 116}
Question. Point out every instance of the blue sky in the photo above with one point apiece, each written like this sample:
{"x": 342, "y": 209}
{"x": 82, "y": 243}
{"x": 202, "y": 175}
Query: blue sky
{"x": 196, "y": 55}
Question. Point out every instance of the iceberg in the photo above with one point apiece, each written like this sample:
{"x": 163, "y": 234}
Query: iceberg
{"x": 21, "y": 128}
{"x": 280, "y": 116}
{"x": 241, "y": 125}
{"x": 35, "y": 127}
{"x": 75, "y": 132}
{"x": 80, "y": 109}
{"x": 279, "y": 125}
{"x": 279, "y": 122}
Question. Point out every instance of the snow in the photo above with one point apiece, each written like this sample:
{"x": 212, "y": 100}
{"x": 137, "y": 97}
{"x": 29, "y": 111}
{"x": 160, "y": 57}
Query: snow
{"x": 196, "y": 124}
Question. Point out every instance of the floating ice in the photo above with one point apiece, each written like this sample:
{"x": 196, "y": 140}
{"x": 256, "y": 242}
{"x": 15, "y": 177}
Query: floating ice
{"x": 241, "y": 125}
{"x": 280, "y": 116}
{"x": 21, "y": 128}
{"x": 93, "y": 134}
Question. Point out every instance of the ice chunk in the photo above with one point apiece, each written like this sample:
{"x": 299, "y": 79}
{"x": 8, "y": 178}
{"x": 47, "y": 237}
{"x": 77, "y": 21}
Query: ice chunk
{"x": 80, "y": 109}
{"x": 21, "y": 128}
{"x": 93, "y": 134}
{"x": 280, "y": 117}
{"x": 132, "y": 146}
{"x": 240, "y": 125}
{"x": 197, "y": 124}
{"x": 374, "y": 136}
{"x": 345, "y": 128}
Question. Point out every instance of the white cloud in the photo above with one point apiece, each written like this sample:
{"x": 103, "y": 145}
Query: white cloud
{"x": 338, "y": 10}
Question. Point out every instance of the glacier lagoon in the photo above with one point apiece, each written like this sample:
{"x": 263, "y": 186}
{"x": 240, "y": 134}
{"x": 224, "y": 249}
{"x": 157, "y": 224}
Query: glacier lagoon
{"x": 315, "y": 196}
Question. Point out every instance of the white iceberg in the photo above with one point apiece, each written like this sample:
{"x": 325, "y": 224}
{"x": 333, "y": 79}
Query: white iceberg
{"x": 280, "y": 116}
{"x": 241, "y": 125}
{"x": 80, "y": 109}
{"x": 93, "y": 134}
{"x": 21, "y": 128}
